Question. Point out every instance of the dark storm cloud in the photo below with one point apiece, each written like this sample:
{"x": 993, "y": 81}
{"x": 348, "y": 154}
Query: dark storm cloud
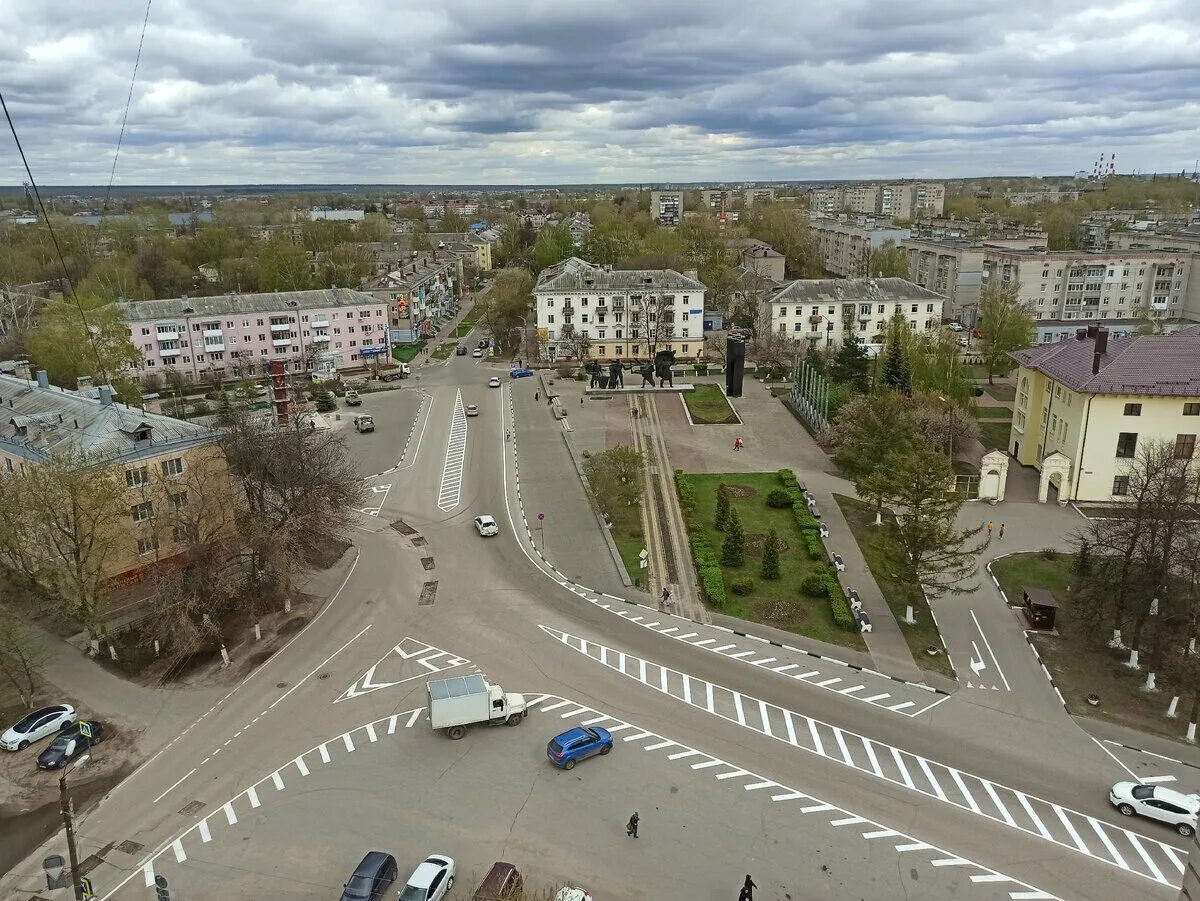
{"x": 553, "y": 90}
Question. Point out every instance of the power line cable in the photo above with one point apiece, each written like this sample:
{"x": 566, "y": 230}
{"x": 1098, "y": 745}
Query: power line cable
{"x": 128, "y": 101}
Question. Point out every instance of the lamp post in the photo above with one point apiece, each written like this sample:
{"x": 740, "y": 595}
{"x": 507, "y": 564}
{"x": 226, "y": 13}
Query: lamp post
{"x": 69, "y": 824}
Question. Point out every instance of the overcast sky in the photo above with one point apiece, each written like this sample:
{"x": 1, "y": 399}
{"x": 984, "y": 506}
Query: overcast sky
{"x": 628, "y": 91}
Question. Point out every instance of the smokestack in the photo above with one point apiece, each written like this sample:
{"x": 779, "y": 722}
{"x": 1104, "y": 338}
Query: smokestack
{"x": 106, "y": 395}
{"x": 1091, "y": 331}
{"x": 1101, "y": 341}
{"x": 43, "y": 378}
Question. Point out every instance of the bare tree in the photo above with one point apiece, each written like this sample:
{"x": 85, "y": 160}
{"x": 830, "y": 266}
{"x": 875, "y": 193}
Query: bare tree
{"x": 22, "y": 656}
{"x": 574, "y": 342}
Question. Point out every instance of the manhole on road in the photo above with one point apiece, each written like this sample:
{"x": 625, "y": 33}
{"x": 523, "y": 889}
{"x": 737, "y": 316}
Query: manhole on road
{"x": 191, "y": 808}
{"x": 323, "y": 676}
{"x": 281, "y": 685}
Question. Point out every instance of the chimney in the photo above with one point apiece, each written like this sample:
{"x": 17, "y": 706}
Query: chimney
{"x": 43, "y": 378}
{"x": 1096, "y": 363}
{"x": 1101, "y": 341}
{"x": 1091, "y": 331}
{"x": 106, "y": 395}
{"x": 1080, "y": 333}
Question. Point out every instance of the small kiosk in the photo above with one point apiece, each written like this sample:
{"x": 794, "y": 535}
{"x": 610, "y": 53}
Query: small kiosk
{"x": 1040, "y": 608}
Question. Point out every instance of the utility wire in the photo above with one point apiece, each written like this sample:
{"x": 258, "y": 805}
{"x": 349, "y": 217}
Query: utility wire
{"x": 57, "y": 247}
{"x": 128, "y": 101}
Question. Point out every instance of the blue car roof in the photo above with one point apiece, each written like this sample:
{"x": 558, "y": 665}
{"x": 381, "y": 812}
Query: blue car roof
{"x": 570, "y": 735}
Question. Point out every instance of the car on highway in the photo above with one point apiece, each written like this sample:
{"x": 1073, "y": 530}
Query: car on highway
{"x": 472, "y": 410}
{"x": 580, "y": 743}
{"x": 36, "y": 726}
{"x": 461, "y": 350}
{"x": 836, "y": 561}
{"x": 70, "y": 742}
{"x": 493, "y": 382}
{"x": 430, "y": 881}
{"x": 573, "y": 894}
{"x": 353, "y": 399}
{"x": 520, "y": 373}
{"x": 477, "y": 353}
{"x": 371, "y": 877}
{"x": 486, "y": 526}
{"x": 1157, "y": 803}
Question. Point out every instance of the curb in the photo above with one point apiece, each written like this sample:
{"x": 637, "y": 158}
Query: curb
{"x": 1109, "y": 741}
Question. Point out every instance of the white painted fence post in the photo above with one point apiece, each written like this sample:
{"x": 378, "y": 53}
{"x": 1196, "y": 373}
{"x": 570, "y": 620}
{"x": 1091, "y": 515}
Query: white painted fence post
{"x": 1191, "y": 733}
{"x": 224, "y": 656}
{"x": 112, "y": 652}
{"x": 156, "y": 647}
{"x": 908, "y": 615}
{"x": 1149, "y": 686}
{"x": 287, "y": 605}
{"x": 1132, "y": 662}
{"x": 257, "y": 632}
{"x": 1174, "y": 706}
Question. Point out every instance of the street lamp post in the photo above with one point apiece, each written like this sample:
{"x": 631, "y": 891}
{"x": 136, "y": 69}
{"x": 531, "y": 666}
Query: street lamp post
{"x": 69, "y": 824}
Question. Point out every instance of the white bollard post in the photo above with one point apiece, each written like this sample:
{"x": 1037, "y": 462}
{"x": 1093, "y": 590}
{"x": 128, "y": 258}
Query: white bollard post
{"x": 908, "y": 615}
{"x": 1115, "y": 641}
{"x": 156, "y": 647}
{"x": 112, "y": 652}
{"x": 95, "y": 647}
{"x": 1191, "y": 733}
{"x": 1191, "y": 646}
{"x": 257, "y": 632}
{"x": 1149, "y": 686}
{"x": 1174, "y": 706}
{"x": 1132, "y": 662}
{"x": 287, "y": 605}
{"x": 224, "y": 656}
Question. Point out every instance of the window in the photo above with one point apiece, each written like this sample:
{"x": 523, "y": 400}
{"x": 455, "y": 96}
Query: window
{"x": 183, "y": 532}
{"x": 142, "y": 512}
{"x": 179, "y": 499}
{"x": 1191, "y": 409}
{"x": 1126, "y": 444}
{"x": 147, "y": 546}
{"x": 136, "y": 478}
{"x": 1185, "y": 447}
{"x": 172, "y": 467}
{"x": 1133, "y": 409}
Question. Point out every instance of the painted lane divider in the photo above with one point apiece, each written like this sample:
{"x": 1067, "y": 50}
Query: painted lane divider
{"x": 450, "y": 493}
{"x": 425, "y": 658}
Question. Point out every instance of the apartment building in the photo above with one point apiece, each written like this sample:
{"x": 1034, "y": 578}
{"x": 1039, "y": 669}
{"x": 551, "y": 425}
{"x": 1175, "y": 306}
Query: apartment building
{"x": 469, "y": 247}
{"x": 419, "y": 294}
{"x": 326, "y": 214}
{"x": 1041, "y": 196}
{"x": 666, "y": 207}
{"x": 1085, "y": 405}
{"x": 715, "y": 199}
{"x": 752, "y": 196}
{"x": 235, "y": 335}
{"x": 825, "y": 201}
{"x": 895, "y": 200}
{"x": 951, "y": 268}
{"x": 823, "y": 311}
{"x": 847, "y": 247}
{"x": 589, "y": 311}
{"x": 174, "y": 470}
{"x": 760, "y": 257}
{"x": 862, "y": 199}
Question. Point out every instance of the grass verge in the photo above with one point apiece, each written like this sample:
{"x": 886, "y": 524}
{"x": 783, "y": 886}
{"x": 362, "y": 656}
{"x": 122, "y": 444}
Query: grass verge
{"x": 777, "y": 602}
{"x": 1001, "y": 392}
{"x": 627, "y": 535}
{"x": 406, "y": 353}
{"x": 1080, "y": 663}
{"x": 899, "y": 595}
{"x": 443, "y": 351}
{"x": 993, "y": 413}
{"x": 708, "y": 405}
{"x": 994, "y": 435}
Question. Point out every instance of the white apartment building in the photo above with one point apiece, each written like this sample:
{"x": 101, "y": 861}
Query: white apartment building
{"x": 896, "y": 200}
{"x": 751, "y": 196}
{"x": 825, "y": 201}
{"x": 823, "y": 311}
{"x": 666, "y": 207}
{"x": 588, "y": 311}
{"x": 952, "y": 268}
{"x": 847, "y": 247}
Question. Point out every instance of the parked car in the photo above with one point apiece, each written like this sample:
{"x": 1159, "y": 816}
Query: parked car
{"x": 964, "y": 342}
{"x": 482, "y": 343}
{"x": 431, "y": 880}
{"x": 1157, "y": 803}
{"x": 69, "y": 742}
{"x": 836, "y": 561}
{"x": 978, "y": 390}
{"x": 520, "y": 373}
{"x": 477, "y": 353}
{"x": 955, "y": 326}
{"x": 364, "y": 423}
{"x": 371, "y": 877}
{"x": 577, "y": 744}
{"x": 502, "y": 882}
{"x": 472, "y": 410}
{"x": 493, "y": 382}
{"x": 36, "y": 726}
{"x": 352, "y": 398}
{"x": 461, "y": 350}
{"x": 573, "y": 894}
{"x": 486, "y": 526}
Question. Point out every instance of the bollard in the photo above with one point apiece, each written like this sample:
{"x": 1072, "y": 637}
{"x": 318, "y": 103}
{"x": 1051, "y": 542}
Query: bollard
{"x": 257, "y": 632}
{"x": 156, "y": 647}
{"x": 224, "y": 656}
{"x": 1174, "y": 706}
{"x": 1132, "y": 662}
{"x": 112, "y": 652}
{"x": 908, "y": 615}
{"x": 287, "y": 605}
{"x": 1191, "y": 733}
{"x": 1191, "y": 646}
{"x": 1149, "y": 686}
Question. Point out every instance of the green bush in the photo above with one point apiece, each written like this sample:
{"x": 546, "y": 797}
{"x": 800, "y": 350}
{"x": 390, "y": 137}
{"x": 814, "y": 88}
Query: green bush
{"x": 788, "y": 479}
{"x": 779, "y": 498}
{"x": 804, "y": 520}
{"x": 733, "y": 550}
{"x": 842, "y": 616}
{"x": 705, "y": 558}
{"x": 566, "y": 372}
{"x": 812, "y": 543}
{"x": 813, "y": 585}
{"x": 685, "y": 493}
{"x": 770, "y": 558}
{"x": 742, "y": 586}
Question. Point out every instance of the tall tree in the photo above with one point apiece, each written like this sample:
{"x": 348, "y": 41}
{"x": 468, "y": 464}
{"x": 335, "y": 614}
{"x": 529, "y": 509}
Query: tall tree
{"x": 786, "y": 229}
{"x": 504, "y": 309}
{"x": 851, "y": 365}
{"x": 1005, "y": 325}
{"x": 453, "y": 221}
{"x": 890, "y": 260}
{"x": 282, "y": 266}
{"x": 733, "y": 549}
{"x": 67, "y": 348}
{"x": 897, "y": 376}
{"x": 553, "y": 245}
{"x": 866, "y": 430}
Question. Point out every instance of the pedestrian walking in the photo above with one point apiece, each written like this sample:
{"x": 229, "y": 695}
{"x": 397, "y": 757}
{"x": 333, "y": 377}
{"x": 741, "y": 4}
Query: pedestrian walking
{"x": 737, "y": 443}
{"x": 747, "y": 892}
{"x": 635, "y": 413}
{"x": 666, "y": 595}
{"x": 537, "y": 395}
{"x": 581, "y": 400}
{"x": 989, "y": 528}
{"x": 631, "y": 828}
{"x": 1001, "y": 531}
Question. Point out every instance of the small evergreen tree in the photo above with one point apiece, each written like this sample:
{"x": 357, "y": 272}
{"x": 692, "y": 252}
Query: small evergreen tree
{"x": 733, "y": 551}
{"x": 770, "y": 558}
{"x": 851, "y": 366}
{"x": 896, "y": 374}
{"x": 721, "y": 517}
{"x": 1083, "y": 559}
{"x": 324, "y": 398}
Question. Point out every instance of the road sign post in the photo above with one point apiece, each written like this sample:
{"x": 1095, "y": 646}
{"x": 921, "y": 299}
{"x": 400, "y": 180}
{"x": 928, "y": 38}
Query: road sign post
{"x": 542, "y": 533}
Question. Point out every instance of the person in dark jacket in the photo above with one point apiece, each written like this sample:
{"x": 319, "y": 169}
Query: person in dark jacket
{"x": 747, "y": 892}
{"x": 631, "y": 829}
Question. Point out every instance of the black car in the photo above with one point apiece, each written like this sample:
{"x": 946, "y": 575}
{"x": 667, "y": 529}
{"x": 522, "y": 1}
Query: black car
{"x": 461, "y": 350}
{"x": 69, "y": 743}
{"x": 371, "y": 877}
{"x": 482, "y": 344}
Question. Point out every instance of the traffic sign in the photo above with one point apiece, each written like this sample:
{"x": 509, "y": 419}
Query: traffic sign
{"x": 85, "y": 886}
{"x": 541, "y": 516}
{"x": 85, "y": 729}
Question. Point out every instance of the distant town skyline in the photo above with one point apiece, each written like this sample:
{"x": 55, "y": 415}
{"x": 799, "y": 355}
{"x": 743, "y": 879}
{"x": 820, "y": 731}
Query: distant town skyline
{"x": 657, "y": 91}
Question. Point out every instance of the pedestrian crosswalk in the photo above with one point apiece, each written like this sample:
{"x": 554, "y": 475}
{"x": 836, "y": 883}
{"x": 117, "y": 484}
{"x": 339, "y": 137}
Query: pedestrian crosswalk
{"x": 1071, "y": 829}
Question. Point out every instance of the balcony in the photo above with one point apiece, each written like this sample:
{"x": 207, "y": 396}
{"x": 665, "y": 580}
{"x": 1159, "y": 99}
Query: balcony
{"x": 168, "y": 351}
{"x": 568, "y": 308}
{"x": 214, "y": 346}
{"x": 815, "y": 335}
{"x": 281, "y": 341}
{"x": 280, "y": 327}
{"x": 213, "y": 333}
{"x": 168, "y": 335}
{"x": 320, "y": 322}
{"x": 815, "y": 319}
{"x": 320, "y": 336}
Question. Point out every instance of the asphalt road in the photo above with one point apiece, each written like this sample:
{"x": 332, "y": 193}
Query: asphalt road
{"x": 740, "y": 758}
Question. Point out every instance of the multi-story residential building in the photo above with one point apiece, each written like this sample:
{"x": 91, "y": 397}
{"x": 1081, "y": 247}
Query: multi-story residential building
{"x": 173, "y": 470}
{"x": 952, "y": 268}
{"x": 760, "y": 257}
{"x": 1043, "y": 195}
{"x": 234, "y": 335}
{"x": 584, "y": 310}
{"x": 825, "y": 201}
{"x": 752, "y": 196}
{"x": 1086, "y": 405}
{"x": 469, "y": 247}
{"x": 579, "y": 225}
{"x": 715, "y": 199}
{"x": 847, "y": 247}
{"x": 666, "y": 207}
{"x": 325, "y": 214}
{"x": 419, "y": 294}
{"x": 860, "y": 198}
{"x": 898, "y": 200}
{"x": 823, "y": 311}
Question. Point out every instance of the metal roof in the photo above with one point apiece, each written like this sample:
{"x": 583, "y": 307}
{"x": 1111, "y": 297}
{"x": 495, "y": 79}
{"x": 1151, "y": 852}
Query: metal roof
{"x": 457, "y": 687}
{"x": 1154, "y": 365}
{"x": 574, "y": 274}
{"x": 237, "y": 304}
{"x": 838, "y": 290}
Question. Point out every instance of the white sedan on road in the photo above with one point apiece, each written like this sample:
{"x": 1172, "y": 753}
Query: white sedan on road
{"x": 37, "y": 726}
{"x": 1157, "y": 803}
{"x": 486, "y": 526}
{"x": 431, "y": 880}
{"x": 493, "y": 382}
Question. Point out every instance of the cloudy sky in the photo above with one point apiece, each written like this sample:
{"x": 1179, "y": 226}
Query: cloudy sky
{"x": 546, "y": 91}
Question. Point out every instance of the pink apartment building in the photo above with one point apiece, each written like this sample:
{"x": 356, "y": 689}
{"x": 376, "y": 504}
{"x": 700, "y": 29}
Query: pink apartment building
{"x": 236, "y": 335}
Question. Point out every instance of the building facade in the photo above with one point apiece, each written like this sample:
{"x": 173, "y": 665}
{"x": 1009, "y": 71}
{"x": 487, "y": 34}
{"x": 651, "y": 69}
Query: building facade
{"x": 588, "y": 311}
{"x": 952, "y": 268}
{"x": 235, "y": 335}
{"x": 666, "y": 207}
{"x": 847, "y": 247}
{"x": 894, "y": 200}
{"x": 824, "y": 311}
{"x": 1086, "y": 405}
{"x": 419, "y": 295}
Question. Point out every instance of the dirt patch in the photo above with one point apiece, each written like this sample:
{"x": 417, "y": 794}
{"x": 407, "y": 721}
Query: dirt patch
{"x": 330, "y": 553}
{"x": 740, "y": 491}
{"x": 785, "y": 613}
{"x": 295, "y": 624}
{"x": 258, "y": 659}
{"x": 756, "y": 541}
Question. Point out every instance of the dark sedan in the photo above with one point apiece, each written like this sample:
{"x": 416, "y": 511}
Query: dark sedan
{"x": 371, "y": 877}
{"x": 69, "y": 743}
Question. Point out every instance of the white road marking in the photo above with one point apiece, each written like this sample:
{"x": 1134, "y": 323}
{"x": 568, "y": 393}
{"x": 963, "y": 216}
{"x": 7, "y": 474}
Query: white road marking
{"x": 987, "y": 644}
{"x": 1152, "y": 780}
{"x": 450, "y": 493}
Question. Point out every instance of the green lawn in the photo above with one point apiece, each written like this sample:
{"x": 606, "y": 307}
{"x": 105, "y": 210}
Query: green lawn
{"x": 708, "y": 406}
{"x": 776, "y": 603}
{"x": 443, "y": 351}
{"x": 1001, "y": 392}
{"x": 627, "y": 534}
{"x": 993, "y": 412}
{"x": 899, "y": 595}
{"x": 979, "y": 371}
{"x": 462, "y": 330}
{"x": 1081, "y": 662}
{"x": 994, "y": 435}
{"x": 406, "y": 353}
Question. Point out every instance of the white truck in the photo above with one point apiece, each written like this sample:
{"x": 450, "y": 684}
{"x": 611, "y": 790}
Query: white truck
{"x": 462, "y": 701}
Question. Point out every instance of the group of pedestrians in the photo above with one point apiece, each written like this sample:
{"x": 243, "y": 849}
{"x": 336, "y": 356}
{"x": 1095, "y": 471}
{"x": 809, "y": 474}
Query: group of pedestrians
{"x": 990, "y": 526}
{"x": 631, "y": 830}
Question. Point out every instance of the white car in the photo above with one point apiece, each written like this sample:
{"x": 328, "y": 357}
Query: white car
{"x": 472, "y": 410}
{"x": 486, "y": 526}
{"x": 955, "y": 326}
{"x": 493, "y": 382}
{"x": 1157, "y": 803}
{"x": 430, "y": 881}
{"x": 477, "y": 353}
{"x": 37, "y": 726}
{"x": 573, "y": 894}
{"x": 964, "y": 342}
{"x": 836, "y": 561}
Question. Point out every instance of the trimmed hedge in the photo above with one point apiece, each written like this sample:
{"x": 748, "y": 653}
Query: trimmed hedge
{"x": 813, "y": 585}
{"x": 788, "y": 478}
{"x": 709, "y": 570}
{"x": 742, "y": 586}
{"x": 685, "y": 492}
{"x": 780, "y": 498}
{"x": 812, "y": 542}
{"x": 842, "y": 616}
